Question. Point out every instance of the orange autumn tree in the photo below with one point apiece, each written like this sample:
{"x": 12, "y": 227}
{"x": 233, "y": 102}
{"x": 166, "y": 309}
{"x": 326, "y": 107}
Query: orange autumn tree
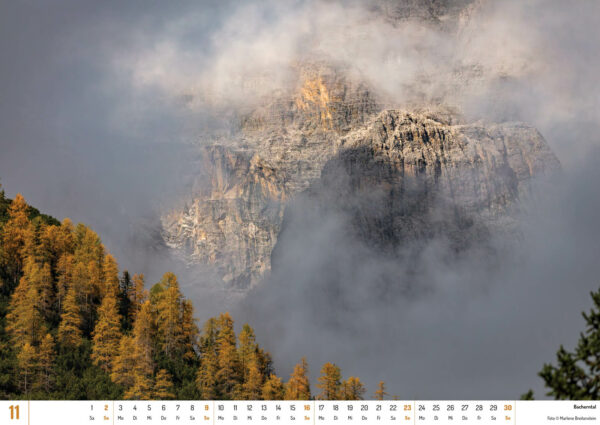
{"x": 206, "y": 377}
{"x": 24, "y": 322}
{"x": 64, "y": 280}
{"x": 122, "y": 371}
{"x": 110, "y": 276}
{"x": 163, "y": 386}
{"x": 43, "y": 283}
{"x": 298, "y": 386}
{"x": 273, "y": 389}
{"x": 228, "y": 376}
{"x": 247, "y": 348}
{"x": 167, "y": 301}
{"x": 190, "y": 332}
{"x": 143, "y": 367}
{"x": 46, "y": 357}
{"x": 352, "y": 389}
{"x": 69, "y": 332}
{"x": 137, "y": 296}
{"x": 14, "y": 234}
{"x": 107, "y": 333}
{"x": 252, "y": 377}
{"x": 329, "y": 382}
{"x": 253, "y": 382}
{"x": 27, "y": 366}
{"x": 380, "y": 393}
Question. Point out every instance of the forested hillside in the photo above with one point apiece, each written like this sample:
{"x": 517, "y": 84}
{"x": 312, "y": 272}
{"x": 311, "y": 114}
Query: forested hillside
{"x": 73, "y": 327}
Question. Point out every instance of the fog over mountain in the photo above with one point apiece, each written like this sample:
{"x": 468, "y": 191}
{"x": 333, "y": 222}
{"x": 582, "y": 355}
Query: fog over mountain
{"x": 206, "y": 112}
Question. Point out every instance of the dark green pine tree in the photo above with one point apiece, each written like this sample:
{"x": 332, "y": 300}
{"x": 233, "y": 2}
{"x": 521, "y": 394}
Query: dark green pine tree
{"x": 124, "y": 299}
{"x": 577, "y": 374}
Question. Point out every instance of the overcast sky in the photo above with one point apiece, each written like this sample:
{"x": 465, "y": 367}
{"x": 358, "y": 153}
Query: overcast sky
{"x": 98, "y": 102}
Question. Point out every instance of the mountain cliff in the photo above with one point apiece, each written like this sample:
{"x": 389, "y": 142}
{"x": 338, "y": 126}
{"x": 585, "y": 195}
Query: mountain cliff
{"x": 403, "y": 170}
{"x": 414, "y": 165}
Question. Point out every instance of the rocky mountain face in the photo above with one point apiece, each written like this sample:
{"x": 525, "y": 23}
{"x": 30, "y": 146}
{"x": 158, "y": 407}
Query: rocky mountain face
{"x": 418, "y": 172}
{"x": 233, "y": 219}
{"x": 414, "y": 176}
{"x": 412, "y": 173}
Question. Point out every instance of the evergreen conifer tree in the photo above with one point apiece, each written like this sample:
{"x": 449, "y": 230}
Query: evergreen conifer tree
{"x": 577, "y": 374}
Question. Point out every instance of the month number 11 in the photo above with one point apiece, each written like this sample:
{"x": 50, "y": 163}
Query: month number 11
{"x": 14, "y": 412}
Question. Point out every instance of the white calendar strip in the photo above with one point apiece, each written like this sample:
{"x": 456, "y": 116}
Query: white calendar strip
{"x": 311, "y": 412}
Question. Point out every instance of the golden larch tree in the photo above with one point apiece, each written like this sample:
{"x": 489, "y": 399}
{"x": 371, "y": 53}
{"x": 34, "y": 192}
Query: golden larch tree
{"x": 124, "y": 363}
{"x": 380, "y": 393}
{"x": 265, "y": 362}
{"x": 16, "y": 326}
{"x": 107, "y": 333}
{"x": 137, "y": 296}
{"x": 163, "y": 386}
{"x": 45, "y": 288}
{"x": 298, "y": 386}
{"x": 142, "y": 388}
{"x": 14, "y": 234}
{"x": 26, "y": 360}
{"x": 189, "y": 331}
{"x": 48, "y": 244}
{"x": 34, "y": 248}
{"x": 206, "y": 377}
{"x": 45, "y": 361}
{"x": 253, "y": 382}
{"x": 64, "y": 242}
{"x": 82, "y": 287}
{"x": 88, "y": 246}
{"x": 352, "y": 389}
{"x": 64, "y": 271}
{"x": 87, "y": 275}
{"x": 39, "y": 278}
{"x": 24, "y": 322}
{"x": 143, "y": 331}
{"x": 169, "y": 316}
{"x": 273, "y": 388}
{"x": 228, "y": 373}
{"x": 110, "y": 273}
{"x": 69, "y": 331}
{"x": 94, "y": 288}
{"x": 329, "y": 382}
{"x": 247, "y": 349}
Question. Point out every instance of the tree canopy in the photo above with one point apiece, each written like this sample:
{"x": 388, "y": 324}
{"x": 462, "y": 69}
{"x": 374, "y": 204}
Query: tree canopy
{"x": 72, "y": 326}
{"x": 576, "y": 374}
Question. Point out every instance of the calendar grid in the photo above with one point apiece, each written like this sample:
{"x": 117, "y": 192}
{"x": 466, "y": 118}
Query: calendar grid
{"x": 314, "y": 412}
